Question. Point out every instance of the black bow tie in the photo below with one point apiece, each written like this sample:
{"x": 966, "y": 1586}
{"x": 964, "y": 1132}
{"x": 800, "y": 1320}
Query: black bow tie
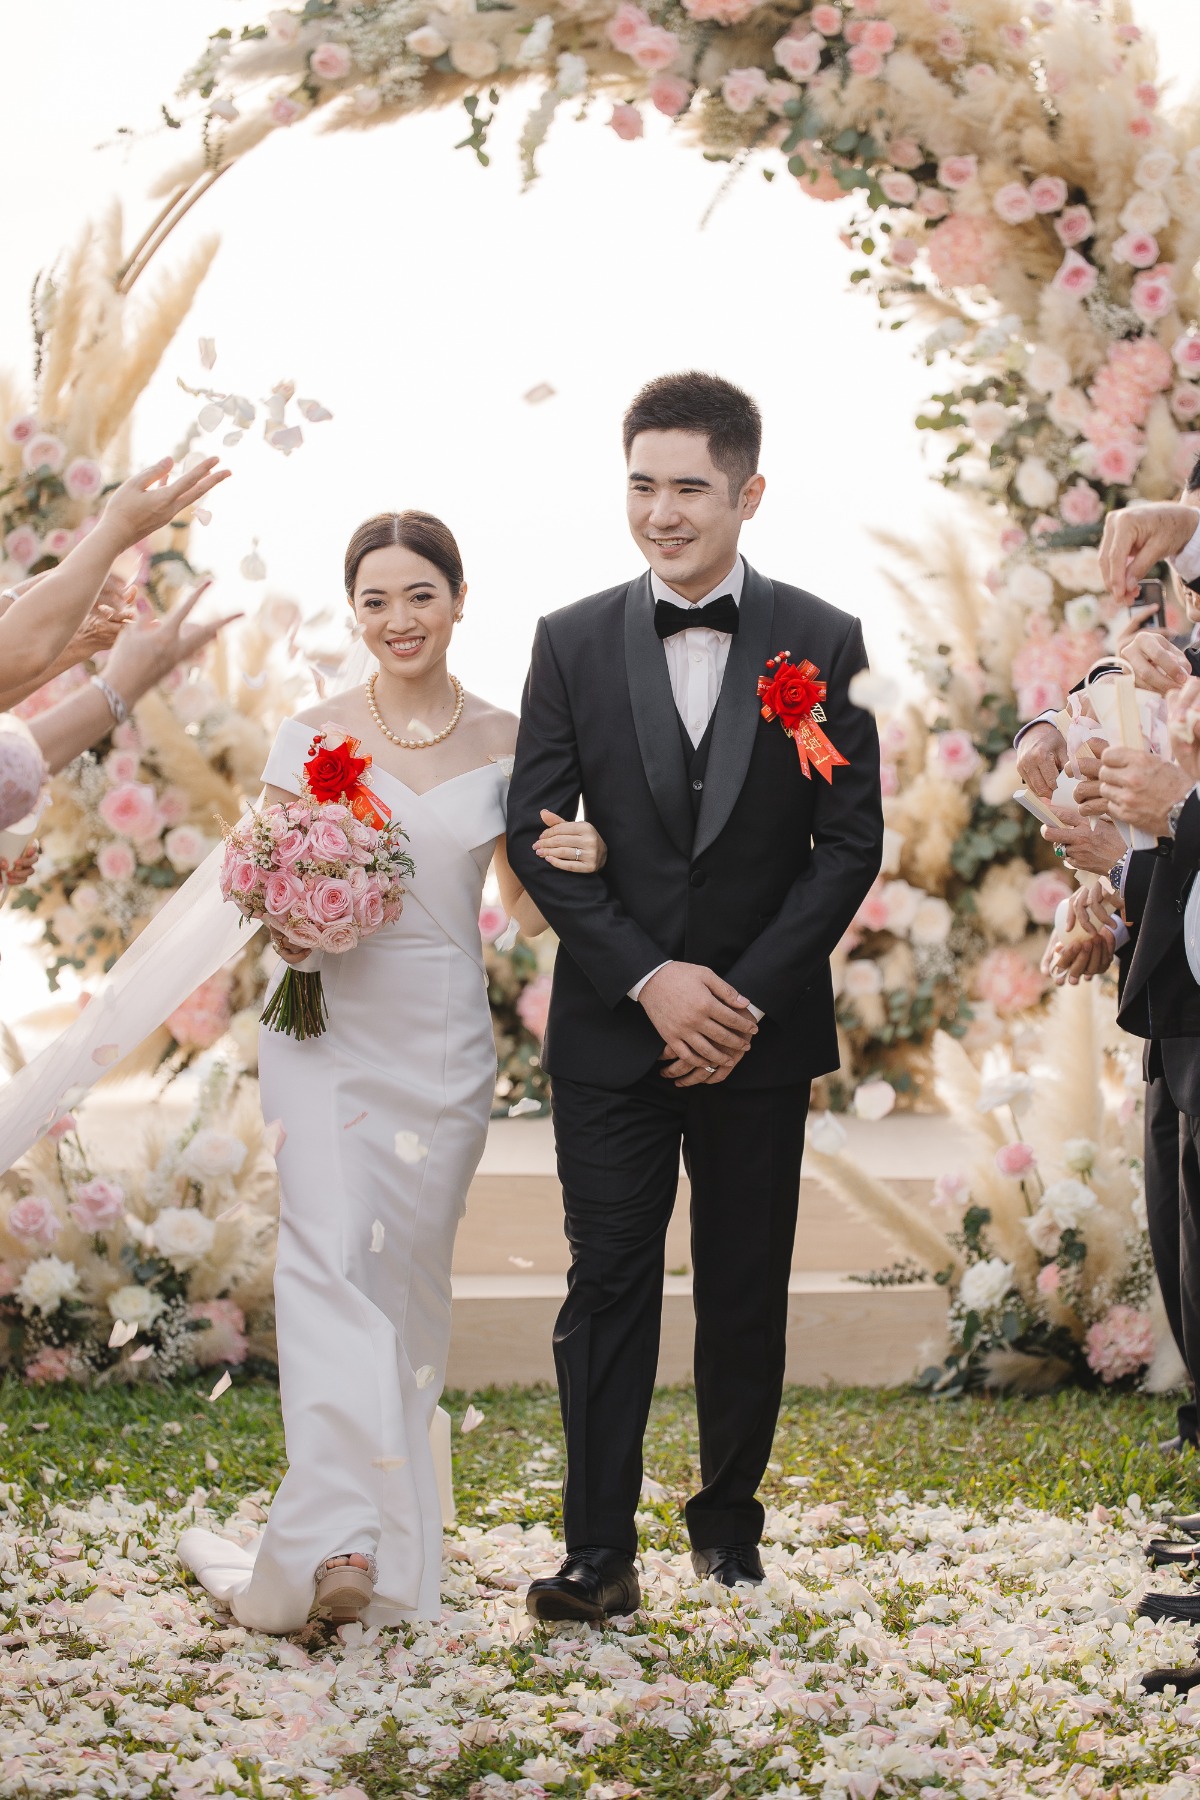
{"x": 720, "y": 614}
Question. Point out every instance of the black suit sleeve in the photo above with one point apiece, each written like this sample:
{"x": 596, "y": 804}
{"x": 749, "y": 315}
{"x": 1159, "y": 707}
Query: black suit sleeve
{"x": 1137, "y": 885}
{"x": 847, "y": 835}
{"x": 611, "y": 948}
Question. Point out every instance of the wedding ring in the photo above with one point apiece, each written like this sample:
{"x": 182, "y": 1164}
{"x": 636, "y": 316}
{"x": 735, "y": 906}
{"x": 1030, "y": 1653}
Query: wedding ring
{"x": 578, "y": 855}
{"x": 708, "y": 1069}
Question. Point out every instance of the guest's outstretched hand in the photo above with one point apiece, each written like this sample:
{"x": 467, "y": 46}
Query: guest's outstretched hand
{"x": 1041, "y": 755}
{"x": 148, "y": 501}
{"x": 1136, "y": 538}
{"x": 150, "y": 648}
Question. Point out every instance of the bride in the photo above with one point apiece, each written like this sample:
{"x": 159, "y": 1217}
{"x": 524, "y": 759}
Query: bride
{"x": 383, "y": 1118}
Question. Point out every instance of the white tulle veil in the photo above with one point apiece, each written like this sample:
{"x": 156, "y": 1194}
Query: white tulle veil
{"x": 189, "y": 939}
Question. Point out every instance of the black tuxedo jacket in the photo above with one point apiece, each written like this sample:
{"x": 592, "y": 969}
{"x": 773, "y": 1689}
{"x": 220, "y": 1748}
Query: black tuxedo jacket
{"x": 759, "y": 882}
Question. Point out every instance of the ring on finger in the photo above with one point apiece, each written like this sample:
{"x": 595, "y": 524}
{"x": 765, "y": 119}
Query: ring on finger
{"x": 708, "y": 1069}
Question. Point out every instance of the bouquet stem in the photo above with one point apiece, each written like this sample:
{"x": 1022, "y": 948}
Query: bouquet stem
{"x": 297, "y": 1007}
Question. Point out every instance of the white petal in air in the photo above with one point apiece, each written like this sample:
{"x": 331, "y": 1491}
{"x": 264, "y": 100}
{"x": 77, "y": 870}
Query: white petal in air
{"x": 286, "y": 438}
{"x": 210, "y": 1462}
{"x": 141, "y": 1354}
{"x": 827, "y": 1134}
{"x": 425, "y": 1375}
{"x": 121, "y": 1333}
{"x": 376, "y": 1238}
{"x": 202, "y": 515}
{"x": 106, "y": 1055}
{"x": 211, "y": 416}
{"x": 232, "y": 437}
{"x": 253, "y": 567}
{"x": 653, "y": 1490}
{"x": 208, "y": 349}
{"x": 519, "y": 1108}
{"x": 472, "y": 1419}
{"x": 314, "y": 412}
{"x": 873, "y": 693}
{"x": 520, "y": 1262}
{"x": 543, "y": 391}
{"x": 223, "y": 1386}
{"x": 409, "y": 1148}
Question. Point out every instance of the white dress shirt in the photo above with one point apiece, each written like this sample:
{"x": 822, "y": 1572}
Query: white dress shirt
{"x": 696, "y": 662}
{"x": 1187, "y": 563}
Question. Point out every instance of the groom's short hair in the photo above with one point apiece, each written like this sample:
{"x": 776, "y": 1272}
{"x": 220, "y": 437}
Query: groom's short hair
{"x": 707, "y": 404}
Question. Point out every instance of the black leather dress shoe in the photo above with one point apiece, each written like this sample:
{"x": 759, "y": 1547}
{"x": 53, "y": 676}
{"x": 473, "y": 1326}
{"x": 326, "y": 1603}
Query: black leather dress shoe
{"x": 1181, "y": 1608}
{"x": 1182, "y": 1680}
{"x": 729, "y": 1564}
{"x": 1174, "y": 1446}
{"x": 594, "y": 1582}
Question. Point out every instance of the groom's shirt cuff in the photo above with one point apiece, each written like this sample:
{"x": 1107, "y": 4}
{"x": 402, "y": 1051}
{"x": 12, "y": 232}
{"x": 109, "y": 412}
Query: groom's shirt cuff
{"x": 635, "y": 992}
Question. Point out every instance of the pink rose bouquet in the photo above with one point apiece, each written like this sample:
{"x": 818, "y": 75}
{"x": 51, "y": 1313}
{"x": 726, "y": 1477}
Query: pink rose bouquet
{"x": 323, "y": 871}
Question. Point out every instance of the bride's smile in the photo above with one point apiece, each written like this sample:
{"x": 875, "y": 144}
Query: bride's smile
{"x": 407, "y": 610}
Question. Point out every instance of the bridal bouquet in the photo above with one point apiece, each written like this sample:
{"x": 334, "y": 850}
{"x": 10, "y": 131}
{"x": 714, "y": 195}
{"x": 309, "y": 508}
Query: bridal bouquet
{"x": 324, "y": 871}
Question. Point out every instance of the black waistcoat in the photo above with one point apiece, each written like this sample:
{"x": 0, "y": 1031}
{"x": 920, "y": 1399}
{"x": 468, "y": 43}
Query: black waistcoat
{"x": 695, "y": 758}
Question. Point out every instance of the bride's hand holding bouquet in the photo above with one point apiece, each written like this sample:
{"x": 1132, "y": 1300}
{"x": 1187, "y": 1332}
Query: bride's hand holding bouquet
{"x": 322, "y": 872}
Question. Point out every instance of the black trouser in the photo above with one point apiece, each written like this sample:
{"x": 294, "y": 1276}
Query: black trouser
{"x": 1189, "y": 1247}
{"x": 618, "y": 1161}
{"x": 1165, "y": 1151}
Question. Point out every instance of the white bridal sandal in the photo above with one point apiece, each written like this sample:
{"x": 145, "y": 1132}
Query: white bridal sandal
{"x": 344, "y": 1591}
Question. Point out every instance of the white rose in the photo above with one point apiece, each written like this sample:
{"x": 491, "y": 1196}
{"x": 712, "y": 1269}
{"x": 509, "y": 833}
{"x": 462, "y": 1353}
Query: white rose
{"x": 1045, "y": 1233}
{"x": 425, "y": 41}
{"x": 212, "y": 1154}
{"x": 1079, "y": 1155}
{"x": 1145, "y": 211}
{"x": 135, "y": 1305}
{"x": 1082, "y": 613}
{"x": 46, "y": 1282}
{"x": 861, "y": 976}
{"x": 1068, "y": 1202}
{"x": 902, "y": 901}
{"x": 874, "y": 1099}
{"x": 1155, "y": 169}
{"x": 476, "y": 57}
{"x": 873, "y": 693}
{"x": 1035, "y": 484}
{"x": 1047, "y": 370}
{"x": 985, "y": 1284}
{"x": 1001, "y": 783}
{"x": 1005, "y": 1090}
{"x": 826, "y": 1134}
{"x": 183, "y": 1233}
{"x": 990, "y": 421}
{"x": 1070, "y": 409}
{"x": 893, "y": 845}
{"x": 186, "y": 848}
{"x": 1078, "y": 570}
{"x": 1029, "y": 586}
{"x": 931, "y": 922}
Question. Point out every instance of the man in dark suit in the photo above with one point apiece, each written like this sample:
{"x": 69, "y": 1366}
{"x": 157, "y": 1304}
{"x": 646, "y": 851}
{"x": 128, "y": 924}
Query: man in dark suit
{"x": 692, "y": 1002}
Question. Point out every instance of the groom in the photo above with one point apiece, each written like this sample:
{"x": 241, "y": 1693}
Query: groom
{"x": 692, "y": 1001}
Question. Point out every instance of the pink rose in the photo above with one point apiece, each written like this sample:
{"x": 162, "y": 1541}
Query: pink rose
{"x": 1015, "y": 36}
{"x": 116, "y": 862}
{"x": 121, "y": 765}
{"x": 330, "y": 61}
{"x": 1013, "y": 203}
{"x": 1080, "y": 505}
{"x": 743, "y": 89}
{"x": 329, "y": 899}
{"x": 963, "y": 252}
{"x": 205, "y": 1015}
{"x": 368, "y": 908}
{"x": 865, "y": 62}
{"x": 957, "y": 172}
{"x": 223, "y": 1339}
{"x": 281, "y": 892}
{"x": 186, "y": 848}
{"x": 1187, "y": 450}
{"x": 724, "y": 12}
{"x": 1137, "y": 248}
{"x": 1186, "y": 352}
{"x": 874, "y": 912}
{"x": 1074, "y": 226}
{"x": 1043, "y": 894}
{"x": 327, "y": 842}
{"x": 879, "y": 35}
{"x": 23, "y": 545}
{"x": 1049, "y": 1280}
{"x": 1075, "y": 276}
{"x": 1011, "y": 538}
{"x": 44, "y": 451}
{"x": 627, "y": 122}
{"x": 289, "y": 848}
{"x": 898, "y": 187}
{"x": 903, "y": 251}
{"x": 173, "y": 806}
{"x": 951, "y": 1193}
{"x": 1007, "y": 981}
{"x": 34, "y": 1220}
{"x": 1141, "y": 127}
{"x": 627, "y": 25}
{"x": 827, "y": 20}
{"x": 244, "y": 877}
{"x": 130, "y": 809}
{"x": 800, "y": 56}
{"x": 62, "y": 1126}
{"x": 932, "y": 203}
{"x": 493, "y": 920}
{"x": 1049, "y": 193}
{"x": 1120, "y": 1344}
{"x": 533, "y": 1005}
{"x": 955, "y": 755}
{"x": 780, "y": 94}
{"x": 1116, "y": 463}
{"x": 1015, "y": 1160}
{"x": 1185, "y": 401}
{"x": 656, "y": 48}
{"x": 304, "y": 932}
{"x": 285, "y": 111}
{"x": 21, "y": 429}
{"x": 52, "y": 1363}
{"x": 1039, "y": 696}
{"x": 83, "y": 478}
{"x": 952, "y": 44}
{"x": 58, "y": 542}
{"x": 98, "y": 1204}
{"x": 905, "y": 153}
{"x": 340, "y": 936}
{"x": 670, "y": 94}
{"x": 1153, "y": 294}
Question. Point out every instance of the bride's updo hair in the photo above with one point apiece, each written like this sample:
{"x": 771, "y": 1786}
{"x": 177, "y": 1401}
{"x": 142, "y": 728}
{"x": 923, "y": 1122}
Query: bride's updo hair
{"x": 419, "y": 532}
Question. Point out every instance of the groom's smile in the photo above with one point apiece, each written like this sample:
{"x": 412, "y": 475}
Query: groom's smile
{"x": 684, "y": 510}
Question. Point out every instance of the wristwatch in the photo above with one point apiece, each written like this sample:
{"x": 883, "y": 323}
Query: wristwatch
{"x": 1166, "y": 844}
{"x": 1116, "y": 874}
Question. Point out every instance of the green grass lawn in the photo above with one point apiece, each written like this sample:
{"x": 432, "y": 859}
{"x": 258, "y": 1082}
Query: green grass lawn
{"x": 1058, "y": 1451}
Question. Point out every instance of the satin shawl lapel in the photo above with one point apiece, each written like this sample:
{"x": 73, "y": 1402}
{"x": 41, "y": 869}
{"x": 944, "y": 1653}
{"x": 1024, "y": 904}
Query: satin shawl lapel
{"x": 655, "y": 717}
{"x": 737, "y": 711}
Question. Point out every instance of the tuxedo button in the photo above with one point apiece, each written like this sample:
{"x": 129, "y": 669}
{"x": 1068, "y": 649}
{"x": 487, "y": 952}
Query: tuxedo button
{"x": 697, "y": 878}
{"x": 699, "y": 786}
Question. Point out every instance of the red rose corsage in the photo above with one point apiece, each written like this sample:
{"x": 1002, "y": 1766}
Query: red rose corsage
{"x": 793, "y": 695}
{"x": 335, "y": 772}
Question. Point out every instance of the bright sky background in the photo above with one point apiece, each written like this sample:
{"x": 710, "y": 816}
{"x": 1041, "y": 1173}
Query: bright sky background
{"x": 419, "y": 296}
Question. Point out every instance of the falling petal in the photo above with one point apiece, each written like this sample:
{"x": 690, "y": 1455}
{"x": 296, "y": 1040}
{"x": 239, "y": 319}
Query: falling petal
{"x": 287, "y": 438}
{"x": 376, "y": 1238}
{"x": 246, "y": 411}
{"x": 208, "y": 347}
{"x": 520, "y": 1262}
{"x": 254, "y": 681}
{"x": 520, "y": 1107}
{"x": 253, "y": 567}
{"x": 543, "y": 391}
{"x": 231, "y": 406}
{"x": 202, "y": 515}
{"x": 472, "y": 1419}
{"x": 313, "y": 411}
{"x": 409, "y": 1148}
{"x": 508, "y": 937}
{"x": 388, "y": 1462}
{"x": 653, "y": 1490}
{"x": 211, "y": 416}
{"x": 232, "y": 437}
{"x": 122, "y": 1333}
{"x": 356, "y": 1120}
{"x": 223, "y": 1386}
{"x": 141, "y": 1354}
{"x": 425, "y": 1375}
{"x": 274, "y": 1136}
{"x": 106, "y": 1055}
{"x": 210, "y": 1462}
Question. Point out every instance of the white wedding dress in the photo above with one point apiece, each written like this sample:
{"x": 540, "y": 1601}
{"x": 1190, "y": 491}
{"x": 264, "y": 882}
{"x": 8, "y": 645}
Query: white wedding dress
{"x": 385, "y": 1118}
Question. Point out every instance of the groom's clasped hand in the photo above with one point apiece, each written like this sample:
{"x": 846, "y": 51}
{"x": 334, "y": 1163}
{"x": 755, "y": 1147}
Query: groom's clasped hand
{"x": 706, "y": 1025}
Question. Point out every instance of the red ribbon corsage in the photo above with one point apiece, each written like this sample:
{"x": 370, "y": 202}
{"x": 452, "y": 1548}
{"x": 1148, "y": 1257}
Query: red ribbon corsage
{"x": 335, "y": 772}
{"x": 793, "y": 695}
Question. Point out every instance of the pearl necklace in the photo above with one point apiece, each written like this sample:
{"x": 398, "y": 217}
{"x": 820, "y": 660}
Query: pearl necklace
{"x": 417, "y": 743}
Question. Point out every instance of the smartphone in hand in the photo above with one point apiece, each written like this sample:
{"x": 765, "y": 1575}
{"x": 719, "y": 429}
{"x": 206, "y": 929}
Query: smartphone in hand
{"x": 1150, "y": 593}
